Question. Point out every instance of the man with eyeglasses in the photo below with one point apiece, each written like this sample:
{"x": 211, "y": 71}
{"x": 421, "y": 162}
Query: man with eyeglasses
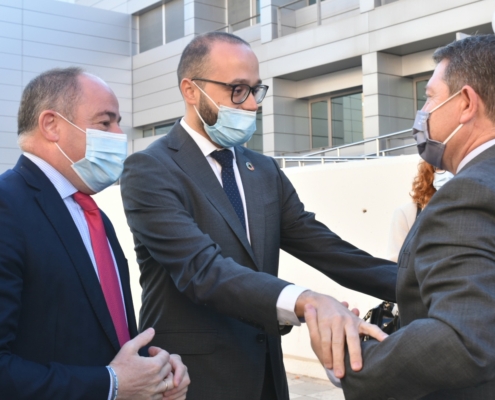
{"x": 209, "y": 218}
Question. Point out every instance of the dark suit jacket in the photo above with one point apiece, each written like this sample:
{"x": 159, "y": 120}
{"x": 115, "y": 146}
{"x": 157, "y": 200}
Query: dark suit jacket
{"x": 56, "y": 333}
{"x": 446, "y": 295}
{"x": 209, "y": 293}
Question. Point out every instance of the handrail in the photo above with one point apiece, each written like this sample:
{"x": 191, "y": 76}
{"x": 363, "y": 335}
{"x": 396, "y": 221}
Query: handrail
{"x": 279, "y": 15}
{"x": 387, "y": 136}
{"x": 315, "y": 156}
{"x": 229, "y": 26}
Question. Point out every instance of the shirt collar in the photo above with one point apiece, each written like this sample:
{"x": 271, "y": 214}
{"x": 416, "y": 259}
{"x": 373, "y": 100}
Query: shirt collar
{"x": 204, "y": 144}
{"x": 61, "y": 183}
{"x": 476, "y": 152}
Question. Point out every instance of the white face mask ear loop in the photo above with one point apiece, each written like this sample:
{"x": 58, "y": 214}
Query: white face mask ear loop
{"x": 66, "y": 156}
{"x": 450, "y": 98}
{"x": 453, "y": 133}
{"x": 75, "y": 126}
{"x": 202, "y": 91}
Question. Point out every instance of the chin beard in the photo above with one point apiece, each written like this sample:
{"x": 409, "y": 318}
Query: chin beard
{"x": 208, "y": 115}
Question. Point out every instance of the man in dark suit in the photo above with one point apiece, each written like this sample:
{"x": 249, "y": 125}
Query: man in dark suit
{"x": 66, "y": 313}
{"x": 446, "y": 280}
{"x": 209, "y": 218}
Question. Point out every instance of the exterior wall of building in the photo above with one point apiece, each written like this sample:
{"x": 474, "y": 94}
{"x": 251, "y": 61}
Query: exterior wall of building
{"x": 36, "y": 35}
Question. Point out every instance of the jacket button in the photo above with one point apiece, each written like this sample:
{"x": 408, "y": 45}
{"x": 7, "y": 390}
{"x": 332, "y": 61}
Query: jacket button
{"x": 260, "y": 338}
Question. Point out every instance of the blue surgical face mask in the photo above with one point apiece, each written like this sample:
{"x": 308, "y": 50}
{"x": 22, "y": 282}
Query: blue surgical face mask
{"x": 441, "y": 178}
{"x": 104, "y": 160}
{"x": 234, "y": 126}
{"x": 430, "y": 150}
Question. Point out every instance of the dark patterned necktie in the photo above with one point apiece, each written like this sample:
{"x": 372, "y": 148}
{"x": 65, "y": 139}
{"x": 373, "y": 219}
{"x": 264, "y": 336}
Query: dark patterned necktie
{"x": 225, "y": 159}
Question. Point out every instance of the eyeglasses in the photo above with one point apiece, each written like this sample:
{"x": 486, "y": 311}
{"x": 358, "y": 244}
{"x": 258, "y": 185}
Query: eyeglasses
{"x": 241, "y": 91}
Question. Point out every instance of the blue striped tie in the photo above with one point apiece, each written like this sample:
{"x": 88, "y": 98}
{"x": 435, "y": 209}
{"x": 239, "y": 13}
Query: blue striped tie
{"x": 225, "y": 159}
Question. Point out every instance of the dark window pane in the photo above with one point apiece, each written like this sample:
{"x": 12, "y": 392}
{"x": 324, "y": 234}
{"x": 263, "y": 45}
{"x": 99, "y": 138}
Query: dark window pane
{"x": 256, "y": 142}
{"x": 163, "y": 129}
{"x": 420, "y": 94}
{"x": 319, "y": 124}
{"x": 239, "y": 10}
{"x": 148, "y": 132}
{"x": 150, "y": 29}
{"x": 174, "y": 20}
{"x": 347, "y": 119}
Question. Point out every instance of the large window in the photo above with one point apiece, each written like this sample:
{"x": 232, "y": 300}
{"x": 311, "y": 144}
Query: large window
{"x": 243, "y": 13}
{"x": 256, "y": 142}
{"x": 160, "y": 25}
{"x": 336, "y": 121}
{"x": 157, "y": 130}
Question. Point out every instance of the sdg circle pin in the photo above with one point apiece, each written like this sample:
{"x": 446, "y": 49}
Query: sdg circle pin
{"x": 249, "y": 166}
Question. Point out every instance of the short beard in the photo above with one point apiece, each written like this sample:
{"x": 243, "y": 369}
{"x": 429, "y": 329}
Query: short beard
{"x": 208, "y": 115}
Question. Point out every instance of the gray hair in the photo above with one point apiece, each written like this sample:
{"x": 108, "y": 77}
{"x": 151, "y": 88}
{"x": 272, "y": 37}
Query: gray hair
{"x": 194, "y": 60}
{"x": 56, "y": 89}
{"x": 471, "y": 62}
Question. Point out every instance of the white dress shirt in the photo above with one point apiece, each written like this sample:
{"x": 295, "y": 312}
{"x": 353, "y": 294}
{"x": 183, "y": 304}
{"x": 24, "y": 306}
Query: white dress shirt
{"x": 286, "y": 301}
{"x": 66, "y": 190}
{"x": 477, "y": 151}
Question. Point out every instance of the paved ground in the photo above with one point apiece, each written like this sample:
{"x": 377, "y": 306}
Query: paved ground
{"x": 303, "y": 387}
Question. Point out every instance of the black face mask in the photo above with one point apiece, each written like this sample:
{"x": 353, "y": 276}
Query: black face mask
{"x": 430, "y": 150}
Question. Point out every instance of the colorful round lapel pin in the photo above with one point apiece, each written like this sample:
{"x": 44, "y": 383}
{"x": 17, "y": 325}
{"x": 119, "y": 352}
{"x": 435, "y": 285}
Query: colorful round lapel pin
{"x": 249, "y": 166}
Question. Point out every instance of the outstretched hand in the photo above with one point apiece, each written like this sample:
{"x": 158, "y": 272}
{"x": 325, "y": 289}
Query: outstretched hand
{"x": 331, "y": 326}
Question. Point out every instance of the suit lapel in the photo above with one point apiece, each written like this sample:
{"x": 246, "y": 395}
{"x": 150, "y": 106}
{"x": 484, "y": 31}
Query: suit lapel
{"x": 192, "y": 161}
{"x": 254, "y": 204}
{"x": 57, "y": 213}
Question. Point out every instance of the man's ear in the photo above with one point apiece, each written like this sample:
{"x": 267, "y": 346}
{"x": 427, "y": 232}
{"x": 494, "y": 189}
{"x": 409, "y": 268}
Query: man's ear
{"x": 190, "y": 91}
{"x": 48, "y": 125}
{"x": 471, "y": 104}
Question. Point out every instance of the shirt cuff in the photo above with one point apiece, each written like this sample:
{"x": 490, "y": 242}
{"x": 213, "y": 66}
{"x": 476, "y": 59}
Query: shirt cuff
{"x": 286, "y": 304}
{"x": 331, "y": 376}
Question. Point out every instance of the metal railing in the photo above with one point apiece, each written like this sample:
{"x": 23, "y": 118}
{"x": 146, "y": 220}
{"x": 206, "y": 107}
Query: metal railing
{"x": 320, "y": 157}
{"x": 279, "y": 14}
{"x": 230, "y": 28}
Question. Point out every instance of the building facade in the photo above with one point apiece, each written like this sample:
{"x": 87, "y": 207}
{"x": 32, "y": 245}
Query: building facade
{"x": 338, "y": 70}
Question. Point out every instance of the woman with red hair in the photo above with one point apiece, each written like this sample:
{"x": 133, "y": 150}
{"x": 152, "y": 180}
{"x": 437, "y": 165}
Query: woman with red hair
{"x": 425, "y": 184}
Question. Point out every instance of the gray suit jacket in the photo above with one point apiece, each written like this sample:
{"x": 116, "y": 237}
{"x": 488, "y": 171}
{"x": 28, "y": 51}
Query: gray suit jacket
{"x": 446, "y": 296}
{"x": 209, "y": 293}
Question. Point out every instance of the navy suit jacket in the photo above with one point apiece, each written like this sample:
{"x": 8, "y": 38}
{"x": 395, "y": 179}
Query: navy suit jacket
{"x": 56, "y": 333}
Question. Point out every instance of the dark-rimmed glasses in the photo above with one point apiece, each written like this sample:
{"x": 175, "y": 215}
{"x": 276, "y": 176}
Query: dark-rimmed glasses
{"x": 241, "y": 91}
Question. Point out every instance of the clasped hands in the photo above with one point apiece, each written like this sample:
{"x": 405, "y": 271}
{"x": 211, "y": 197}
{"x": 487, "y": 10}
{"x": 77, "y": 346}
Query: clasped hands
{"x": 159, "y": 376}
{"x": 331, "y": 325}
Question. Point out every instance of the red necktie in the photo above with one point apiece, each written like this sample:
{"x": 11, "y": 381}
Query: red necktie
{"x": 106, "y": 268}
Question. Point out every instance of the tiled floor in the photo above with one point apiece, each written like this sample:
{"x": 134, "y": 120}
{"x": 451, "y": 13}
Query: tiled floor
{"x": 303, "y": 387}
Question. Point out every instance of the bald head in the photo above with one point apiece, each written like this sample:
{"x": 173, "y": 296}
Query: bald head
{"x": 194, "y": 61}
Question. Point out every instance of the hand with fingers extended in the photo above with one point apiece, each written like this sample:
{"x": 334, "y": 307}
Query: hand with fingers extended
{"x": 139, "y": 377}
{"x": 331, "y": 326}
{"x": 178, "y": 378}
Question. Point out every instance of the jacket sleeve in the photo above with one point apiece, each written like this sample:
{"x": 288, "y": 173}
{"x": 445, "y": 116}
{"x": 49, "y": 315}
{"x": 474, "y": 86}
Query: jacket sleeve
{"x": 312, "y": 242}
{"x": 452, "y": 256}
{"x": 20, "y": 378}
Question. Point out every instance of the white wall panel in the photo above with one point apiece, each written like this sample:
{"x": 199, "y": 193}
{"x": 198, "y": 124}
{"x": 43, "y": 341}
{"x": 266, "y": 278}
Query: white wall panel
{"x": 10, "y": 77}
{"x": 9, "y": 140}
{"x": 12, "y": 15}
{"x": 67, "y": 24}
{"x": 8, "y": 108}
{"x": 10, "y": 30}
{"x": 76, "y": 56}
{"x": 10, "y": 92}
{"x": 80, "y": 41}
